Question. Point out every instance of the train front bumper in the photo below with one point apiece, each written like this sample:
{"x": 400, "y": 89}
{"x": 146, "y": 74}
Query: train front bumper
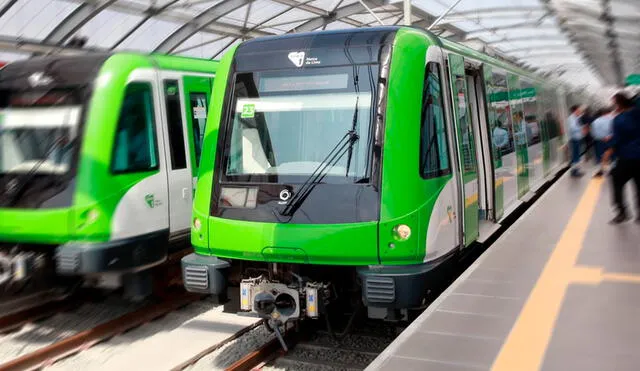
{"x": 395, "y": 286}
{"x": 204, "y": 274}
{"x": 125, "y": 255}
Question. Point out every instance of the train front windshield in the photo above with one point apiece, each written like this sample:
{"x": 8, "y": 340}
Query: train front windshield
{"x": 37, "y": 140}
{"x": 285, "y": 125}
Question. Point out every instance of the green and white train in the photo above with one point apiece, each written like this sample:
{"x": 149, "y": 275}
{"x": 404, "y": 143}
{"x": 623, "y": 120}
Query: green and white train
{"x": 351, "y": 163}
{"x": 98, "y": 161}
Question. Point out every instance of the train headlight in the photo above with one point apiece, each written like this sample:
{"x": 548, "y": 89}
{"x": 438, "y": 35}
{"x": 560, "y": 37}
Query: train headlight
{"x": 402, "y": 232}
{"x": 197, "y": 224}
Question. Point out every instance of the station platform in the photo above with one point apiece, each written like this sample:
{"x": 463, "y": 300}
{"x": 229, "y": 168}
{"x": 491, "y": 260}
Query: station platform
{"x": 559, "y": 290}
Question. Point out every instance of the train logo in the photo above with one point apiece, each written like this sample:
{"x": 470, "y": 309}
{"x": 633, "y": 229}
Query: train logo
{"x": 151, "y": 201}
{"x": 285, "y": 195}
{"x": 297, "y": 58}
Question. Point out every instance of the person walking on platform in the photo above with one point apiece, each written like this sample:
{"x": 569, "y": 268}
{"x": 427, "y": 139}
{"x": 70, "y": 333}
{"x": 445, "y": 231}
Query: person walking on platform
{"x": 625, "y": 143}
{"x": 601, "y": 131}
{"x": 576, "y": 131}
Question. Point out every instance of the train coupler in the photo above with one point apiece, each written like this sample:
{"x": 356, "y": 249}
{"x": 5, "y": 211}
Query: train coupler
{"x": 20, "y": 266}
{"x": 283, "y": 302}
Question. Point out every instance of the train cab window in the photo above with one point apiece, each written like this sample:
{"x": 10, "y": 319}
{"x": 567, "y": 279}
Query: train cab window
{"x": 434, "y": 149}
{"x": 174, "y": 122}
{"x": 198, "y": 118}
{"x": 136, "y": 144}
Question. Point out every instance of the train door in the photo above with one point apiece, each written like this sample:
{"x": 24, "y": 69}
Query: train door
{"x": 437, "y": 158}
{"x": 543, "y": 120}
{"x": 137, "y": 159}
{"x": 197, "y": 94}
{"x": 477, "y": 115}
{"x": 466, "y": 148}
{"x": 179, "y": 176}
{"x": 562, "y": 112}
{"x": 518, "y": 131}
{"x": 495, "y": 138}
{"x": 529, "y": 99}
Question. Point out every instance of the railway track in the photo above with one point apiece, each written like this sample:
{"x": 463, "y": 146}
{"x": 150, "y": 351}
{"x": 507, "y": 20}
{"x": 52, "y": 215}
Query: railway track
{"x": 313, "y": 349}
{"x": 51, "y": 353}
{"x": 169, "y": 296}
{"x": 39, "y": 305}
{"x": 35, "y": 312}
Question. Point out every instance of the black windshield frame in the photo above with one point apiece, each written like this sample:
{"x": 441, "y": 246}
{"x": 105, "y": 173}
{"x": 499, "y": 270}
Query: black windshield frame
{"x": 329, "y": 203}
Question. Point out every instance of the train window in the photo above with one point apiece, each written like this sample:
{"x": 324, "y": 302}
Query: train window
{"x": 530, "y": 95}
{"x": 501, "y": 134}
{"x": 136, "y": 144}
{"x": 198, "y": 118}
{"x": 174, "y": 121}
{"x": 434, "y": 149}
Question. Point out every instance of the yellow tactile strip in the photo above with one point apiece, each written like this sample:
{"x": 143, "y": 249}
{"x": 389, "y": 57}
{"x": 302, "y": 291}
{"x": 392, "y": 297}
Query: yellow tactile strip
{"x": 527, "y": 342}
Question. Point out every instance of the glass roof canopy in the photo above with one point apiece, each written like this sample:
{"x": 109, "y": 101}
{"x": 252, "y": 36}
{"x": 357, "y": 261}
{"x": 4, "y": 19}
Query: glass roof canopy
{"x": 566, "y": 38}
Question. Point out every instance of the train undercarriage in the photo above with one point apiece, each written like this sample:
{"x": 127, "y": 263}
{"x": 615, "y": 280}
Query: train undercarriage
{"x": 33, "y": 269}
{"x": 282, "y": 293}
{"x": 25, "y": 268}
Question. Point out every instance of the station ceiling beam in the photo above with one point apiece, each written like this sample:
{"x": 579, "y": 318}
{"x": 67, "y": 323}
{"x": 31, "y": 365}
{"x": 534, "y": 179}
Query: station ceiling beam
{"x": 32, "y": 46}
{"x": 494, "y": 13}
{"x": 493, "y": 10}
{"x": 5, "y": 8}
{"x": 336, "y": 15}
{"x": 148, "y": 14}
{"x": 168, "y": 13}
{"x": 198, "y": 23}
{"x": 494, "y": 29}
{"x": 74, "y": 21}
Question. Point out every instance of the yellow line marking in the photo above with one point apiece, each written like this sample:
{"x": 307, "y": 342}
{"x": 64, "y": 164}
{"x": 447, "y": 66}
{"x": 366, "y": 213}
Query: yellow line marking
{"x": 527, "y": 342}
{"x": 595, "y": 276}
{"x": 586, "y": 275}
{"x": 621, "y": 277}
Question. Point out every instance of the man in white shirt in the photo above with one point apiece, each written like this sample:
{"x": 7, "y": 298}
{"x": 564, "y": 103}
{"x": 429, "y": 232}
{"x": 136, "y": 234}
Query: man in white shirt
{"x": 576, "y": 134}
{"x": 601, "y": 130}
{"x": 500, "y": 136}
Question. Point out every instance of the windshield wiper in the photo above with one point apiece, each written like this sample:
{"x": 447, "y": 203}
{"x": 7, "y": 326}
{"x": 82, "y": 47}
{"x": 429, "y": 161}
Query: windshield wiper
{"x": 353, "y": 129}
{"x": 319, "y": 173}
{"x": 354, "y": 121}
{"x": 32, "y": 172}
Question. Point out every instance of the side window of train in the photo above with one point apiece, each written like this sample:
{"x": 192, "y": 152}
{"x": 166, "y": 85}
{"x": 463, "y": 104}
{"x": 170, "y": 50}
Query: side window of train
{"x": 198, "y": 102}
{"x": 174, "y": 121}
{"x": 434, "y": 151}
{"x": 501, "y": 134}
{"x": 530, "y": 96}
{"x": 136, "y": 145}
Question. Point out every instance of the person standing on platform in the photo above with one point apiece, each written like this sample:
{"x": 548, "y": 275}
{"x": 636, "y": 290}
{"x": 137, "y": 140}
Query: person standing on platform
{"x": 576, "y": 132}
{"x": 625, "y": 143}
{"x": 601, "y": 131}
{"x": 585, "y": 120}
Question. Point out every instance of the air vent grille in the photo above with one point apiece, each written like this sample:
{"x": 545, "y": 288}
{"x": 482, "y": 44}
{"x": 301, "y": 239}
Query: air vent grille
{"x": 380, "y": 289}
{"x": 196, "y": 277}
